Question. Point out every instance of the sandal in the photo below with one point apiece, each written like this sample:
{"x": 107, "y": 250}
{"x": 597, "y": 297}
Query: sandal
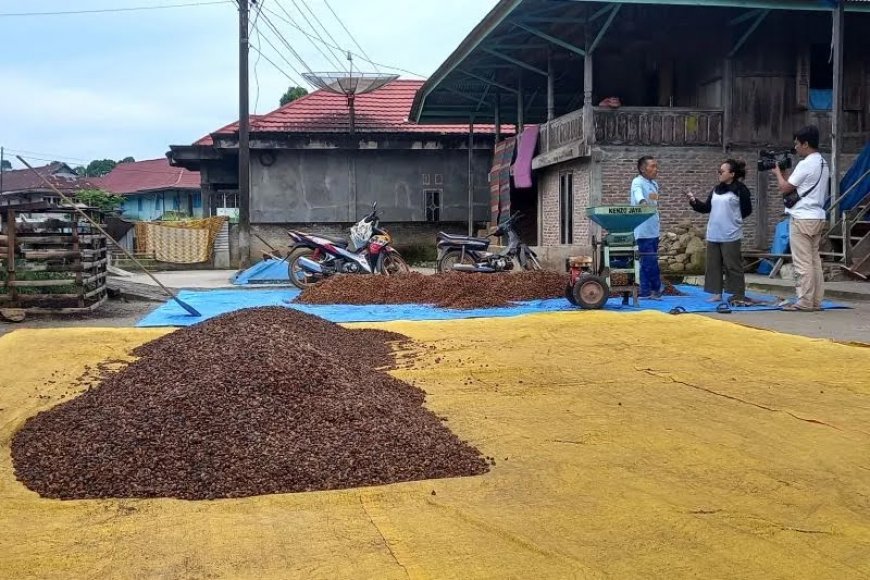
{"x": 723, "y": 308}
{"x": 677, "y": 310}
{"x": 741, "y": 302}
{"x": 796, "y": 308}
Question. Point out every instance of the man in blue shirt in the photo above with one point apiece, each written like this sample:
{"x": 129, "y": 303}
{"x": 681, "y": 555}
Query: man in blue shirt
{"x": 645, "y": 191}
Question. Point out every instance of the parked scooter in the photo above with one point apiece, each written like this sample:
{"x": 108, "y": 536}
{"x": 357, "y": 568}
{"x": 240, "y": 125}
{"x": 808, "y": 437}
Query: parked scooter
{"x": 469, "y": 254}
{"x": 369, "y": 250}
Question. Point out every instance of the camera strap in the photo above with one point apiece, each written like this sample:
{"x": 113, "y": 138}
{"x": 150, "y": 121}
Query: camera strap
{"x": 818, "y": 181}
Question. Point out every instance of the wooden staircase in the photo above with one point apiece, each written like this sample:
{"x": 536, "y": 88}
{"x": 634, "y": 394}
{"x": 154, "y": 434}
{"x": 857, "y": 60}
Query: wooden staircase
{"x": 850, "y": 240}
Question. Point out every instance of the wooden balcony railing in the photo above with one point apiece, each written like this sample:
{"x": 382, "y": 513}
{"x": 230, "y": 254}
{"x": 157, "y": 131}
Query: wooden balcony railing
{"x": 561, "y": 131}
{"x": 658, "y": 126}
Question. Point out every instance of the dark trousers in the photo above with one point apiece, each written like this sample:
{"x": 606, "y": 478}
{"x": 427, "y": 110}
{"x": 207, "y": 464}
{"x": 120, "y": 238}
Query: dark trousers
{"x": 725, "y": 261}
{"x": 650, "y": 276}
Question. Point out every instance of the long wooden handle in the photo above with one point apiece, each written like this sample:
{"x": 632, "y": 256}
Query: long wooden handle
{"x": 169, "y": 292}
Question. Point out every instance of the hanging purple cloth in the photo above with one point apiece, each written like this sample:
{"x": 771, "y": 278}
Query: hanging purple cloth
{"x": 522, "y": 169}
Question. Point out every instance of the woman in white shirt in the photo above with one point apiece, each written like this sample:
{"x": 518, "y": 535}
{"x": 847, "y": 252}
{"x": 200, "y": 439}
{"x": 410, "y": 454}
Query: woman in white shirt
{"x": 728, "y": 204}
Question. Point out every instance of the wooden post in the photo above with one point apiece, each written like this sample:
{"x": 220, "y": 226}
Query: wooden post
{"x": 836, "y": 114}
{"x": 520, "y": 102}
{"x": 588, "y": 111}
{"x": 761, "y": 228}
{"x": 727, "y": 91}
{"x": 77, "y": 263}
{"x": 551, "y": 91}
{"x": 497, "y": 116}
{"x": 471, "y": 177}
{"x": 10, "y": 257}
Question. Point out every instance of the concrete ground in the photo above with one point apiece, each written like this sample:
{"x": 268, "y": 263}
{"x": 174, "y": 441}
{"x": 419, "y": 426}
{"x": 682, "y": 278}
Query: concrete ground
{"x": 843, "y": 325}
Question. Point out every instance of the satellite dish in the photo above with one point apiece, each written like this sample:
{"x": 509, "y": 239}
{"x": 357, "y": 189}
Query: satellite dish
{"x": 350, "y": 84}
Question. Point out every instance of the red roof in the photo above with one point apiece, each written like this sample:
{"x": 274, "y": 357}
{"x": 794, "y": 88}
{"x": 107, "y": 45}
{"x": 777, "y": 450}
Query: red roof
{"x": 385, "y": 110}
{"x": 58, "y": 174}
{"x": 151, "y": 175}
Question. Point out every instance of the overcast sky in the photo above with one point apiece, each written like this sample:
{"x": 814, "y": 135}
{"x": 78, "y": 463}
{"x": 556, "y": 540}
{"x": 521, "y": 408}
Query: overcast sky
{"x": 93, "y": 86}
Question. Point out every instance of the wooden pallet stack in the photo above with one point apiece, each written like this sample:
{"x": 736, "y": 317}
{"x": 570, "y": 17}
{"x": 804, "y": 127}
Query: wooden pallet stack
{"x": 52, "y": 261}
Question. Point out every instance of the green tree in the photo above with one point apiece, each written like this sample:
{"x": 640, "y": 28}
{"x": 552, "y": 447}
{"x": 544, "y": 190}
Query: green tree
{"x": 99, "y": 167}
{"x": 6, "y": 165}
{"x": 127, "y": 160}
{"x": 80, "y": 170}
{"x": 99, "y": 199}
{"x": 292, "y": 94}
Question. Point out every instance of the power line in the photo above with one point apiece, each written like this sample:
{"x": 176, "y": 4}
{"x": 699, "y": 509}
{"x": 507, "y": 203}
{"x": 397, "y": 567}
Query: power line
{"x": 351, "y": 35}
{"x": 362, "y": 57}
{"x": 326, "y": 30}
{"x": 108, "y": 10}
{"x": 281, "y": 55}
{"x": 314, "y": 29}
{"x": 286, "y": 43}
{"x": 328, "y": 57}
{"x": 259, "y": 54}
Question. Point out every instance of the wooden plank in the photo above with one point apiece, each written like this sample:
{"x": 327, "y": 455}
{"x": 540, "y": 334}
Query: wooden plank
{"x": 51, "y": 254}
{"x": 60, "y": 239}
{"x": 40, "y": 283}
{"x": 10, "y": 254}
{"x": 94, "y": 278}
{"x": 91, "y": 308}
{"x": 776, "y": 268}
{"x": 95, "y": 291}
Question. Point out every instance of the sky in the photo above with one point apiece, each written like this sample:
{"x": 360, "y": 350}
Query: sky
{"x": 77, "y": 87}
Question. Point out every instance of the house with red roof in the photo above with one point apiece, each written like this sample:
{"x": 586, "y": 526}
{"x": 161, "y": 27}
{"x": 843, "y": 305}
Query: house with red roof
{"x": 22, "y": 189}
{"x": 309, "y": 171}
{"x": 152, "y": 189}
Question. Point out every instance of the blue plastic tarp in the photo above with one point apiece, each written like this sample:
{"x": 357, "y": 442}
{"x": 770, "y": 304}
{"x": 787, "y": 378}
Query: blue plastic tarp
{"x": 265, "y": 272}
{"x": 215, "y": 302}
{"x": 778, "y": 246}
{"x": 859, "y": 168}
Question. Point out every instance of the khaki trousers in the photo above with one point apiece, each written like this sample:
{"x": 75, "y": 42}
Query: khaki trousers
{"x": 805, "y": 237}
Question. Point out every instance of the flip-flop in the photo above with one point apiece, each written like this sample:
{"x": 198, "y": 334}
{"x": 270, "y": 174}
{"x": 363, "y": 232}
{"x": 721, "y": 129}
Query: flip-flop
{"x": 723, "y": 308}
{"x": 677, "y": 310}
{"x": 795, "y": 308}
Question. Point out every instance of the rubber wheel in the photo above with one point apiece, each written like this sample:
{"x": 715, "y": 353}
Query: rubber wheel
{"x": 445, "y": 264}
{"x": 569, "y": 294}
{"x": 298, "y": 276}
{"x": 531, "y": 264}
{"x": 395, "y": 265}
{"x": 591, "y": 292}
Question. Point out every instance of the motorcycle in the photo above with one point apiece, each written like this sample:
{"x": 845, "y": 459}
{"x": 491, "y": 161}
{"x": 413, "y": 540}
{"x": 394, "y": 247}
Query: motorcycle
{"x": 469, "y": 254}
{"x": 315, "y": 257}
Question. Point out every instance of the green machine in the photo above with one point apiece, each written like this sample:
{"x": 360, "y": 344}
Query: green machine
{"x": 615, "y": 263}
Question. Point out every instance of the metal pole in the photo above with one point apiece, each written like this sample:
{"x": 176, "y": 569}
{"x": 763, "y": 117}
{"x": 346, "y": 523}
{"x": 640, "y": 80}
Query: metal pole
{"x": 497, "y": 116}
{"x": 836, "y": 113}
{"x": 2, "y": 160}
{"x": 244, "y": 142}
{"x": 471, "y": 177}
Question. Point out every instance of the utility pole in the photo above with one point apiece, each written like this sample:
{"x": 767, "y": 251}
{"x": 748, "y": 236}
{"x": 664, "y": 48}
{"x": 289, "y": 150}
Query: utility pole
{"x": 244, "y": 142}
{"x": 2, "y": 169}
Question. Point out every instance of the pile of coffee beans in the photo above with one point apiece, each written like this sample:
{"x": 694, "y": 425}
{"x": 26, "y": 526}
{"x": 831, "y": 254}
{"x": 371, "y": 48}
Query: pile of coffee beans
{"x": 447, "y": 290}
{"x": 260, "y": 401}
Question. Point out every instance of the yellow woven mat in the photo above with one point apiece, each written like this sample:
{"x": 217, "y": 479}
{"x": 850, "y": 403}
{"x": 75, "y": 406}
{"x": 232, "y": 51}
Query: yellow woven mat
{"x": 626, "y": 446}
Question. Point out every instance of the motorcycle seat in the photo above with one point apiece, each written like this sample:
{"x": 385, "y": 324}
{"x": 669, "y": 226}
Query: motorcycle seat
{"x": 337, "y": 240}
{"x": 461, "y": 238}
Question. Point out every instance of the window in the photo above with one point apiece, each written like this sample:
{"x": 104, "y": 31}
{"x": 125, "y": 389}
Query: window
{"x": 566, "y": 208}
{"x": 439, "y": 179}
{"x": 426, "y": 179}
{"x": 814, "y": 77}
{"x": 432, "y": 204}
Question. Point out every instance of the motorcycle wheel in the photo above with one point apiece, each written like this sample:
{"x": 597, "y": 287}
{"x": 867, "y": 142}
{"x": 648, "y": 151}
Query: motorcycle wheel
{"x": 591, "y": 292}
{"x": 298, "y": 276}
{"x": 531, "y": 264}
{"x": 445, "y": 264}
{"x": 394, "y": 265}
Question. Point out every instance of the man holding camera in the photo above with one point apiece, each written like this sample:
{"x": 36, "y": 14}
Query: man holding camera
{"x": 804, "y": 193}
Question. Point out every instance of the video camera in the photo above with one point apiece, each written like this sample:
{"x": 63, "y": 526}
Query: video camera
{"x": 768, "y": 159}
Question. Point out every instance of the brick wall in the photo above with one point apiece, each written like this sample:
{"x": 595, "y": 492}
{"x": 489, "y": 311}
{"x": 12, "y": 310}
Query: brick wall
{"x": 683, "y": 168}
{"x": 548, "y": 189}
